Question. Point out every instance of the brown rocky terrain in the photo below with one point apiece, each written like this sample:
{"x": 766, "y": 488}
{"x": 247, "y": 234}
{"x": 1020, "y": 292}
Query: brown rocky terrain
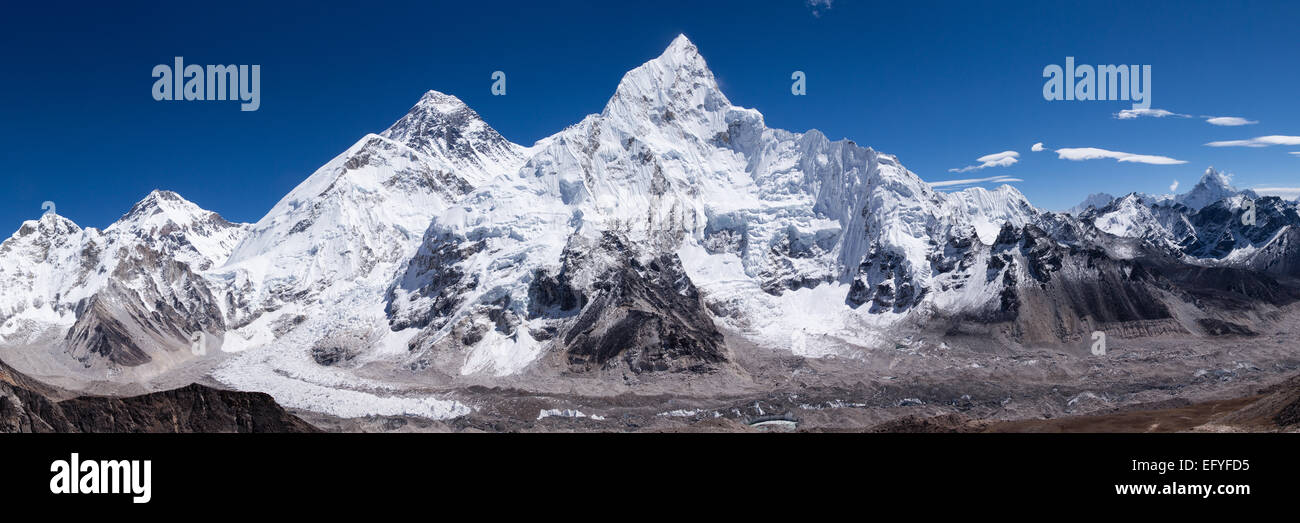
{"x": 1273, "y": 409}
{"x": 27, "y": 405}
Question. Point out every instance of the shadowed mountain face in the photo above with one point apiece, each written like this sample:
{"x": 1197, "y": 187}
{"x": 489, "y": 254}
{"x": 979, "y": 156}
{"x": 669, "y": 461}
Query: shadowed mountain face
{"x": 646, "y": 316}
{"x": 28, "y": 406}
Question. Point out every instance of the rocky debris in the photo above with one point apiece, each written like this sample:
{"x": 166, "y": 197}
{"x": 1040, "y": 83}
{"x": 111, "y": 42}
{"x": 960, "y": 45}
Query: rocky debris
{"x": 1217, "y": 327}
{"x": 331, "y": 354}
{"x": 919, "y": 424}
{"x": 1273, "y": 408}
{"x": 1277, "y": 407}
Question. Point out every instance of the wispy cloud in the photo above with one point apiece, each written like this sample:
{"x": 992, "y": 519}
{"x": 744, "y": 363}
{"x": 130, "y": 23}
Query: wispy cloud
{"x": 1129, "y": 114}
{"x": 1093, "y": 153}
{"x": 1295, "y": 153}
{"x": 1258, "y": 141}
{"x": 1037, "y": 147}
{"x": 819, "y": 6}
{"x": 1174, "y": 186}
{"x": 1223, "y": 121}
{"x": 1286, "y": 193}
{"x": 1229, "y": 121}
{"x": 1002, "y": 159}
{"x": 974, "y": 181}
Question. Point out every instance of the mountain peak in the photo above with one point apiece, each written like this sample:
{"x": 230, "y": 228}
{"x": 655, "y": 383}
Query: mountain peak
{"x": 49, "y": 224}
{"x": 1213, "y": 178}
{"x": 1214, "y": 186}
{"x": 437, "y": 117}
{"x": 676, "y": 85}
{"x": 160, "y": 201}
{"x": 681, "y": 51}
{"x": 444, "y": 127}
{"x": 158, "y": 196}
{"x": 679, "y": 62}
{"x": 163, "y": 210}
{"x": 442, "y": 102}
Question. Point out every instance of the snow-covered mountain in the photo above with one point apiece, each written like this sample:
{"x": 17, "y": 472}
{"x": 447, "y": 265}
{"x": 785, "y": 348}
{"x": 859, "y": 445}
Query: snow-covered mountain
{"x": 1212, "y": 187}
{"x": 658, "y": 237}
{"x": 349, "y": 224}
{"x": 1205, "y": 224}
{"x": 130, "y": 295}
{"x": 759, "y": 219}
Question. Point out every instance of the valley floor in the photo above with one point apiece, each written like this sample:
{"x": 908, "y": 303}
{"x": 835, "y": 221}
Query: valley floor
{"x": 925, "y": 383}
{"x": 1152, "y": 384}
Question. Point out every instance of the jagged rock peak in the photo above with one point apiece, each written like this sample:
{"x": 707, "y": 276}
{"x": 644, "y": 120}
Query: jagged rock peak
{"x": 1213, "y": 186}
{"x": 1214, "y": 178}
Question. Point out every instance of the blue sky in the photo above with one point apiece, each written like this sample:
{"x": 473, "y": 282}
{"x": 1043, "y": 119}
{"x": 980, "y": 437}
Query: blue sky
{"x": 939, "y": 84}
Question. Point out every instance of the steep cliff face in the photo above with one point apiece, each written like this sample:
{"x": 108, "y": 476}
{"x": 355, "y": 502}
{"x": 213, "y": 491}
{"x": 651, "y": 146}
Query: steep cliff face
{"x": 638, "y": 315}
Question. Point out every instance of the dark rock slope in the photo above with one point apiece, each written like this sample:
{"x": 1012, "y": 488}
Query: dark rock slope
{"x": 28, "y": 406}
{"x": 645, "y": 315}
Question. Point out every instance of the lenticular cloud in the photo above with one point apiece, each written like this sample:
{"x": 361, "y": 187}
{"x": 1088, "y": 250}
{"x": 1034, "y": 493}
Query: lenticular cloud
{"x": 1093, "y": 153}
{"x": 1002, "y": 159}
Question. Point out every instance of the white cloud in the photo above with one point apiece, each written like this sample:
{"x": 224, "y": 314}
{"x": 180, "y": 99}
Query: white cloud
{"x": 973, "y": 181}
{"x": 1230, "y": 121}
{"x": 1002, "y": 159}
{"x": 1225, "y": 121}
{"x": 1258, "y": 141}
{"x": 1129, "y": 114}
{"x": 1286, "y": 193}
{"x": 819, "y": 6}
{"x": 1093, "y": 153}
{"x": 1296, "y": 153}
{"x": 1037, "y": 147}
{"x": 1174, "y": 186}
